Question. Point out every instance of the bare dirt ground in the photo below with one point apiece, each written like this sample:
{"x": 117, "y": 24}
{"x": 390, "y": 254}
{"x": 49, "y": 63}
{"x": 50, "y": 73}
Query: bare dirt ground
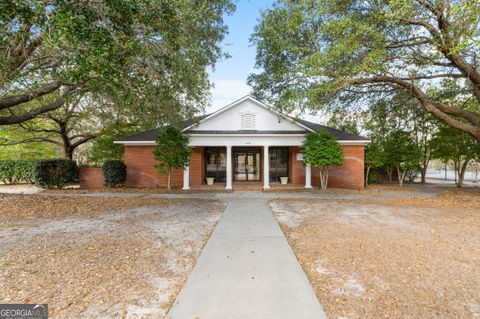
{"x": 384, "y": 258}
{"x": 100, "y": 257}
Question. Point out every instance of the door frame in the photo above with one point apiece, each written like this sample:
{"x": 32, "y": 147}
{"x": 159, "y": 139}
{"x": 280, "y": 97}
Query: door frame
{"x": 253, "y": 149}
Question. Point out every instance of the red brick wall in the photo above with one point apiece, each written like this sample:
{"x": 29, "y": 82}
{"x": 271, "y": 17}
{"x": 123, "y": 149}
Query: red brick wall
{"x": 197, "y": 166}
{"x": 141, "y": 171}
{"x": 349, "y": 175}
{"x": 296, "y": 169}
{"x": 91, "y": 177}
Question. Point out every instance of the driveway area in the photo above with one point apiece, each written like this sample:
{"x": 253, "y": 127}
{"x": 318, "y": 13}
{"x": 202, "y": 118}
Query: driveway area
{"x": 389, "y": 258}
{"x": 100, "y": 257}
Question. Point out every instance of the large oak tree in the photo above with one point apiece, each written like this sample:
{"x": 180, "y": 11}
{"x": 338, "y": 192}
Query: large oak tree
{"x": 149, "y": 56}
{"x": 314, "y": 53}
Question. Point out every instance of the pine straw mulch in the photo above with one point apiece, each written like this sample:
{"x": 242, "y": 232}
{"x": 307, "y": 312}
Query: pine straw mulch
{"x": 374, "y": 188}
{"x": 29, "y": 207}
{"x": 135, "y": 190}
{"x": 129, "y": 263}
{"x": 414, "y": 258}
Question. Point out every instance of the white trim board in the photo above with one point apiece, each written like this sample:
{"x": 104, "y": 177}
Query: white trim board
{"x": 232, "y": 142}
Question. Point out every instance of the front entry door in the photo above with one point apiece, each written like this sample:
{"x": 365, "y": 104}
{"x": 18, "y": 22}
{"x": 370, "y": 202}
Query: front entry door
{"x": 247, "y": 164}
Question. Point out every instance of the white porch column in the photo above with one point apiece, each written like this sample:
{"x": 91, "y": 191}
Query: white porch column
{"x": 308, "y": 176}
{"x": 266, "y": 168}
{"x": 229, "y": 167}
{"x": 186, "y": 178}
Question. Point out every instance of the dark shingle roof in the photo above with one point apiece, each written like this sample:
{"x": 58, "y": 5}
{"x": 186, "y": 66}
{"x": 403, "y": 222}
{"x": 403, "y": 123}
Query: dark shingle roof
{"x": 151, "y": 135}
{"x": 339, "y": 135}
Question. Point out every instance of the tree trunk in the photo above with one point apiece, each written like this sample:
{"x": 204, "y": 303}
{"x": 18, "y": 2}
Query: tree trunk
{"x": 323, "y": 177}
{"x": 423, "y": 173}
{"x": 169, "y": 179}
{"x": 456, "y": 168}
{"x": 390, "y": 173}
{"x": 401, "y": 176}
{"x": 461, "y": 172}
{"x": 67, "y": 145}
{"x": 475, "y": 177}
{"x": 366, "y": 176}
{"x": 68, "y": 153}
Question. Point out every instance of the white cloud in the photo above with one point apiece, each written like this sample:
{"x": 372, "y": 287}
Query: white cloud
{"x": 226, "y": 91}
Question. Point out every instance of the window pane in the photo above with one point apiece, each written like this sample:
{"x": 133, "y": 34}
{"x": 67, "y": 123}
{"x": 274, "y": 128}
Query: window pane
{"x": 215, "y": 163}
{"x": 278, "y": 158}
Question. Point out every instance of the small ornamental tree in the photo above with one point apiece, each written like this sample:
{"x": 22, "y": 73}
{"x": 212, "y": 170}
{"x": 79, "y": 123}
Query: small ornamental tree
{"x": 374, "y": 158}
{"x": 172, "y": 151}
{"x": 402, "y": 152}
{"x": 450, "y": 144}
{"x": 321, "y": 149}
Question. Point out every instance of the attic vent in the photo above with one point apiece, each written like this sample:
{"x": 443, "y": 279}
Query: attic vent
{"x": 248, "y": 121}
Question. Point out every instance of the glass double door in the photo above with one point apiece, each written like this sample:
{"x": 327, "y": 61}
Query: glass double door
{"x": 247, "y": 164}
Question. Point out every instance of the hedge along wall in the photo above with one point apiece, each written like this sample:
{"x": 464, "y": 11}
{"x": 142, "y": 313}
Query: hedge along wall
{"x": 55, "y": 172}
{"x": 16, "y": 171}
{"x": 113, "y": 173}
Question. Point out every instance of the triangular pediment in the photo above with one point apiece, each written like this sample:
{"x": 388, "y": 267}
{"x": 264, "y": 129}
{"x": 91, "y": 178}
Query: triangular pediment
{"x": 248, "y": 114}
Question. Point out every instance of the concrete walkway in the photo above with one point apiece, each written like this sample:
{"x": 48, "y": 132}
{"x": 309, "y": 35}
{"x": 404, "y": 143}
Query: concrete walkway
{"x": 247, "y": 270}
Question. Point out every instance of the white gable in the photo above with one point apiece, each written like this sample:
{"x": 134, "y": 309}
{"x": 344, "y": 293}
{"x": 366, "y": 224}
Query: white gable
{"x": 247, "y": 114}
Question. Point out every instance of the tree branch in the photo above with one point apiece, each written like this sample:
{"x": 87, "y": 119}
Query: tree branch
{"x": 32, "y": 140}
{"x": 16, "y": 119}
{"x": 438, "y": 110}
{"x": 14, "y": 100}
{"x": 83, "y": 140}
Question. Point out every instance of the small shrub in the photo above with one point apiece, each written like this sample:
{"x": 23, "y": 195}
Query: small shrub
{"x": 412, "y": 174}
{"x": 114, "y": 173}
{"x": 72, "y": 171}
{"x": 374, "y": 176}
{"x": 16, "y": 171}
{"x": 54, "y": 173}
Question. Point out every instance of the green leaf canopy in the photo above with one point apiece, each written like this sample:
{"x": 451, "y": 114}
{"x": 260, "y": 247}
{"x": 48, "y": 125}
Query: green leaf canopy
{"x": 172, "y": 149}
{"x": 321, "y": 149}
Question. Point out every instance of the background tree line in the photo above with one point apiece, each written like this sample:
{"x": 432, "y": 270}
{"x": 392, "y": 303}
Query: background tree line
{"x": 83, "y": 73}
{"x": 405, "y": 139}
{"x": 408, "y": 70}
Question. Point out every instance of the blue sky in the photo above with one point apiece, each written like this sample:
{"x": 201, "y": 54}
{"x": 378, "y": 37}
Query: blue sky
{"x": 230, "y": 75}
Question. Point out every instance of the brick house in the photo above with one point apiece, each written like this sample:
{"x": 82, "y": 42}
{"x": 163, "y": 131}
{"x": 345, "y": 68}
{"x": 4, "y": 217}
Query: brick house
{"x": 245, "y": 142}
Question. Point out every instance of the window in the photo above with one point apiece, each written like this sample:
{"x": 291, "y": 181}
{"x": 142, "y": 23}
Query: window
{"x": 278, "y": 163}
{"x": 248, "y": 121}
{"x": 216, "y": 163}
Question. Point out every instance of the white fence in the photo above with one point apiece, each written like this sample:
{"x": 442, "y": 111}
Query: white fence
{"x": 449, "y": 174}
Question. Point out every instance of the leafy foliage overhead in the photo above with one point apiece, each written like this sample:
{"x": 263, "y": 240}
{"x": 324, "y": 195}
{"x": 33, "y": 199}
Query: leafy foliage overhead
{"x": 138, "y": 53}
{"x": 314, "y": 53}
